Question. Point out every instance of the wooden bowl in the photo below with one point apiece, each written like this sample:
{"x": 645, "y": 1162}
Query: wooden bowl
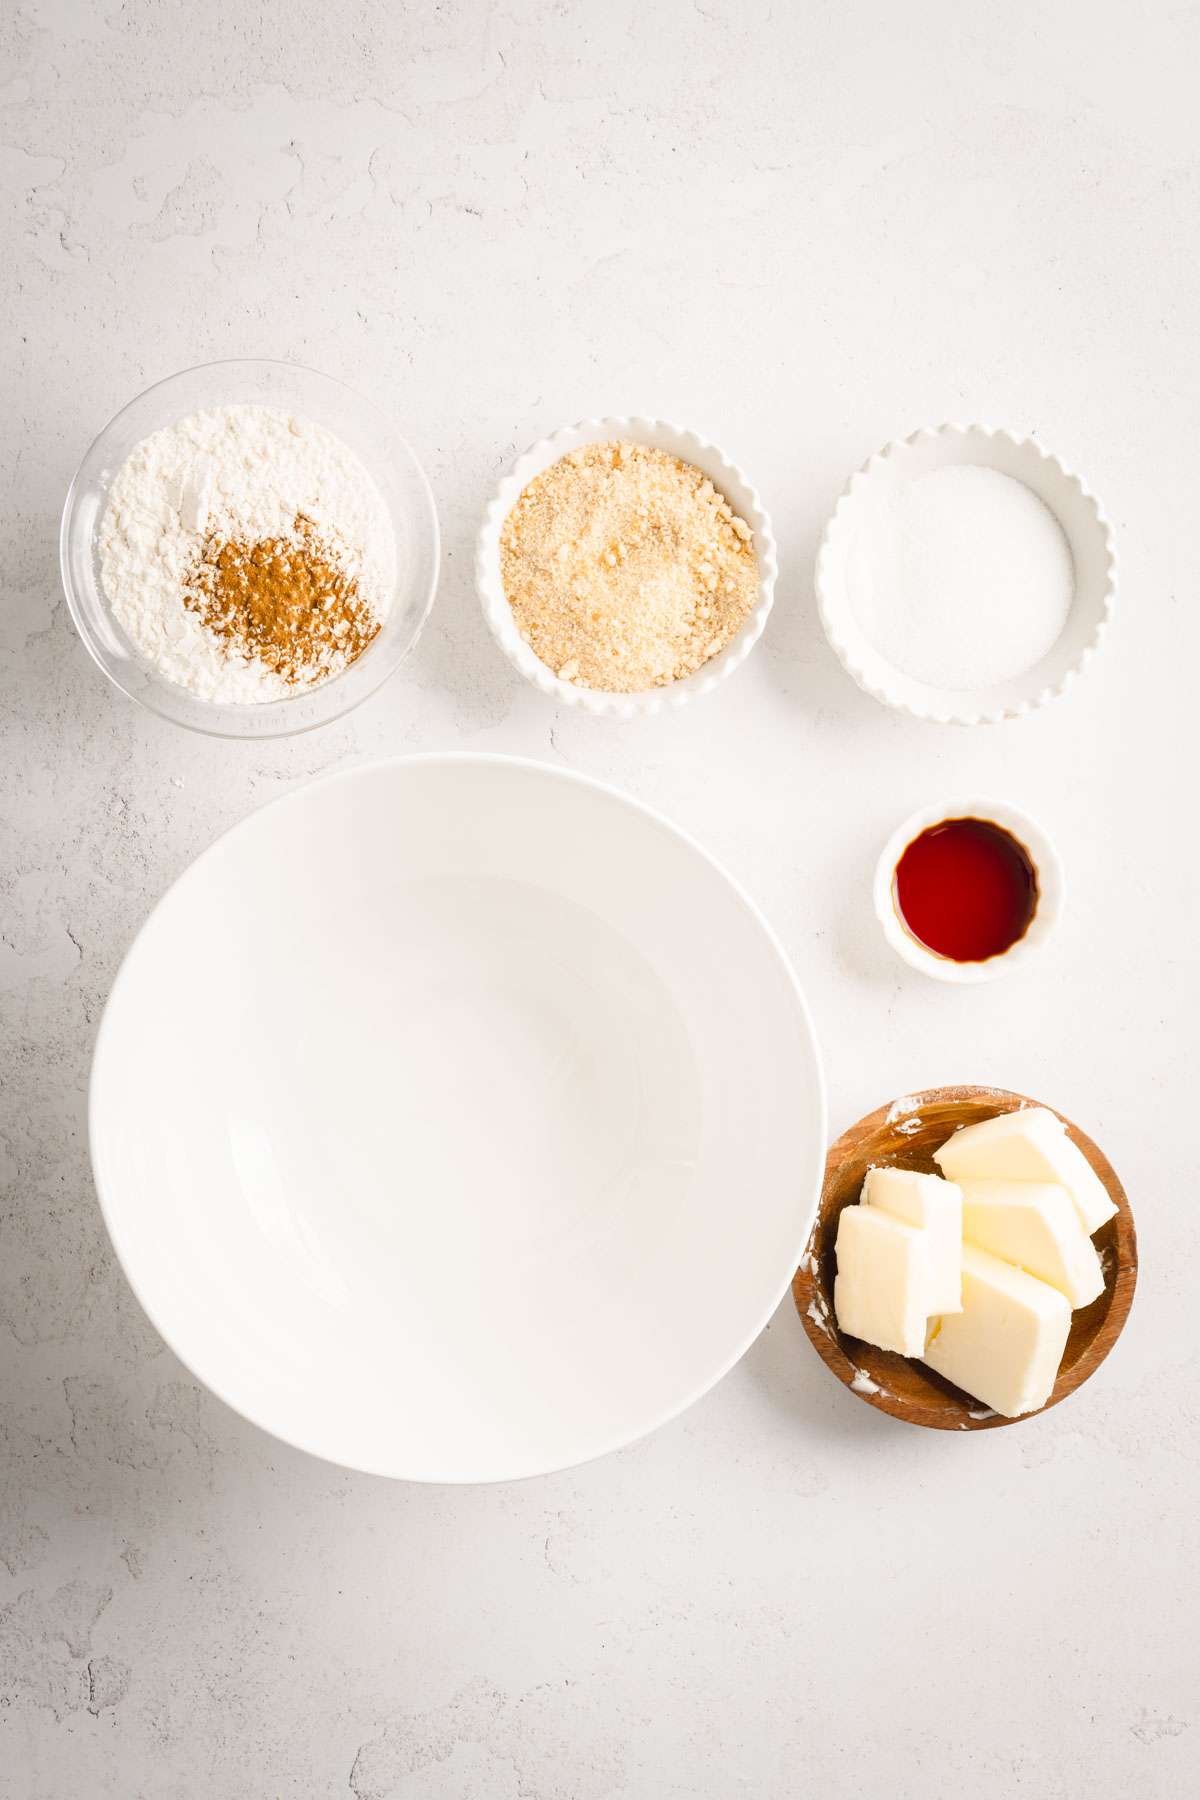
{"x": 904, "y": 1135}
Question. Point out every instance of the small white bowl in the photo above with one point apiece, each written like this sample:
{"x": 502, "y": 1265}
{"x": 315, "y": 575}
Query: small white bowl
{"x": 1051, "y": 891}
{"x": 1078, "y": 512}
{"x": 661, "y": 435}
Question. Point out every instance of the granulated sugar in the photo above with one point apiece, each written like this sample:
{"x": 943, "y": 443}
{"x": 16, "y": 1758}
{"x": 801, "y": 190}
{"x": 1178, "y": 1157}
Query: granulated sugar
{"x": 962, "y": 578}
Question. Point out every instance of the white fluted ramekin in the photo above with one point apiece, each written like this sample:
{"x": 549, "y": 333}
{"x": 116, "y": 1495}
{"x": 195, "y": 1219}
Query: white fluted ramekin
{"x": 724, "y": 475}
{"x": 1051, "y": 891}
{"x": 1088, "y": 534}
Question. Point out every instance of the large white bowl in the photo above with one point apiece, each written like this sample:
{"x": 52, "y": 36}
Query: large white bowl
{"x": 457, "y": 1118}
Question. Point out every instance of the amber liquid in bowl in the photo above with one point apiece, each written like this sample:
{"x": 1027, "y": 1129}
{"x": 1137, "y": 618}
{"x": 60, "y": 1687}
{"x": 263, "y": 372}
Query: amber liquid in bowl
{"x": 966, "y": 889}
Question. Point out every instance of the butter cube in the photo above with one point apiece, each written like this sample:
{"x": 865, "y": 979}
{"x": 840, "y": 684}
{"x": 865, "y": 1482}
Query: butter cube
{"x": 935, "y": 1207}
{"x": 1035, "y": 1225}
{"x": 1031, "y": 1145}
{"x": 881, "y": 1291}
{"x": 1005, "y": 1346}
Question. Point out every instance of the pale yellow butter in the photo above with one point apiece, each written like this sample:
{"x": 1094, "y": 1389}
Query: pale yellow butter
{"x": 935, "y": 1207}
{"x": 1005, "y": 1346}
{"x": 881, "y": 1291}
{"x": 1031, "y": 1145}
{"x": 1035, "y": 1225}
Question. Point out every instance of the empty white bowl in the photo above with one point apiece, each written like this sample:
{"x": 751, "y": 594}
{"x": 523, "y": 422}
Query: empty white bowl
{"x": 1089, "y": 538}
{"x": 724, "y": 475}
{"x": 457, "y": 1118}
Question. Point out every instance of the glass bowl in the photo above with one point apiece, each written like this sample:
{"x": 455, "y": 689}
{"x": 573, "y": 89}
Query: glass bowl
{"x": 367, "y": 430}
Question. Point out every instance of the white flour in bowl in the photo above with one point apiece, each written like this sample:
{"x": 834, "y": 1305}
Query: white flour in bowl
{"x": 245, "y": 477}
{"x": 961, "y": 578}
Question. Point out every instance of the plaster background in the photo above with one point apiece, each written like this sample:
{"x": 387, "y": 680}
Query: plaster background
{"x": 802, "y": 231}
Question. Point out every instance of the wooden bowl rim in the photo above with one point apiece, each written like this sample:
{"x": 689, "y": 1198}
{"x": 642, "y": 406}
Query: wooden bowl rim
{"x": 827, "y": 1340}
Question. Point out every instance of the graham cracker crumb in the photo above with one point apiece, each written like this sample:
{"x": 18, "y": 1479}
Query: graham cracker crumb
{"x": 625, "y": 568}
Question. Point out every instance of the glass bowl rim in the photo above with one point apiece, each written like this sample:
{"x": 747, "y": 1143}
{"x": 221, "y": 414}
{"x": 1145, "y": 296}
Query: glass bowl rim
{"x": 228, "y": 718}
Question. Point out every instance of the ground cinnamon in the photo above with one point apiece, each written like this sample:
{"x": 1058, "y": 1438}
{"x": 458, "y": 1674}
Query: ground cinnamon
{"x": 290, "y": 602}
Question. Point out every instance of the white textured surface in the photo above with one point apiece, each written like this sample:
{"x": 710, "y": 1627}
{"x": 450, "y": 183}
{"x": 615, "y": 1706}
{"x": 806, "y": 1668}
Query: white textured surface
{"x": 806, "y": 235}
